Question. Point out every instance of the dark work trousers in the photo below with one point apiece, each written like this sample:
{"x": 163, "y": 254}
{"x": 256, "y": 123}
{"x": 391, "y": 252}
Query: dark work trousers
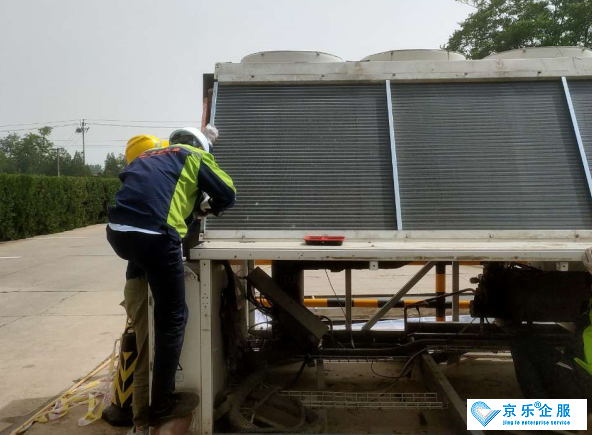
{"x": 160, "y": 257}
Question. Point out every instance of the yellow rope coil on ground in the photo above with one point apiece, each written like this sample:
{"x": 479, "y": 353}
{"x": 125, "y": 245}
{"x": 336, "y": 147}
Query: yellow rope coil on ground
{"x": 93, "y": 393}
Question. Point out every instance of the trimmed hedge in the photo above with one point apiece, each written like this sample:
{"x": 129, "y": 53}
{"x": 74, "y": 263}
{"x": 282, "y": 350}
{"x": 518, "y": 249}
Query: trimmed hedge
{"x": 31, "y": 205}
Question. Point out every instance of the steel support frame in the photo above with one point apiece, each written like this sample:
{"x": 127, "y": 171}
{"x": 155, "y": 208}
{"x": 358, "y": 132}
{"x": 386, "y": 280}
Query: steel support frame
{"x": 207, "y": 387}
{"x": 440, "y": 291}
{"x": 437, "y": 381}
{"x": 348, "y": 299}
{"x": 399, "y": 295}
{"x": 455, "y": 288}
{"x": 576, "y": 127}
{"x": 212, "y": 122}
{"x": 214, "y": 100}
{"x": 391, "y": 124}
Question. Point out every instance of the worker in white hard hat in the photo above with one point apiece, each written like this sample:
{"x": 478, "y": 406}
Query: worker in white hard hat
{"x": 159, "y": 191}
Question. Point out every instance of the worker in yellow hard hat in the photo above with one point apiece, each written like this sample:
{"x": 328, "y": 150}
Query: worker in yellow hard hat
{"x": 144, "y": 142}
{"x": 160, "y": 191}
{"x": 136, "y": 307}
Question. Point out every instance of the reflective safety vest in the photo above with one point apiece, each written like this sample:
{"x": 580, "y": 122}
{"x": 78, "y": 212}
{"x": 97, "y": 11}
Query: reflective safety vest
{"x": 586, "y": 361}
{"x": 160, "y": 188}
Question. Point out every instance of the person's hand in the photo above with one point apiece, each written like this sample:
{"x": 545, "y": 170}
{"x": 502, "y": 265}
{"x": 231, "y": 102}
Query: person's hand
{"x": 211, "y": 133}
{"x": 587, "y": 259}
{"x": 205, "y": 208}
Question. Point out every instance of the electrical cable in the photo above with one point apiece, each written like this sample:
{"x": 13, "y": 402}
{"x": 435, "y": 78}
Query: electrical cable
{"x": 45, "y": 124}
{"x": 35, "y": 128}
{"x": 335, "y": 293}
{"x": 402, "y": 373}
{"x": 128, "y": 120}
{"x": 267, "y": 322}
{"x": 131, "y": 126}
{"x": 70, "y": 140}
{"x": 351, "y": 336}
{"x": 250, "y": 295}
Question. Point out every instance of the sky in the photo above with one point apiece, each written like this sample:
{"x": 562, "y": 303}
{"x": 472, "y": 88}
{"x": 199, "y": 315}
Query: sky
{"x": 140, "y": 62}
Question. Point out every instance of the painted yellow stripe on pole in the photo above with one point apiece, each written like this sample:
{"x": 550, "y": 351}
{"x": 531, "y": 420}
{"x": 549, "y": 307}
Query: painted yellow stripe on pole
{"x": 316, "y": 303}
{"x": 262, "y": 262}
{"x": 365, "y": 303}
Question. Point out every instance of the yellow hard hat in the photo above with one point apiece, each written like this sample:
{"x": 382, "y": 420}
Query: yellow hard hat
{"x": 164, "y": 142}
{"x": 138, "y": 144}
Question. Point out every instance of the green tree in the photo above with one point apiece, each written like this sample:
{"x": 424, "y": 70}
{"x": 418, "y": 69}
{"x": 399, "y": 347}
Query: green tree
{"x": 28, "y": 154}
{"x": 500, "y": 25}
{"x": 96, "y": 169}
{"x": 77, "y": 167}
{"x": 34, "y": 153}
{"x": 114, "y": 165}
{"x": 8, "y": 150}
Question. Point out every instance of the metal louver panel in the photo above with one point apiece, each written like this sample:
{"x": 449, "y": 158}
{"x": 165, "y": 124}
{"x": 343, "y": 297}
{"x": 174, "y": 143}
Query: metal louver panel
{"x": 306, "y": 157}
{"x": 581, "y": 97}
{"x": 488, "y": 156}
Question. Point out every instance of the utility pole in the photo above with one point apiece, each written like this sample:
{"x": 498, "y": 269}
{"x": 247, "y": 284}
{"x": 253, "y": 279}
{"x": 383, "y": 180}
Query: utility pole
{"x": 83, "y": 129}
{"x": 58, "y": 158}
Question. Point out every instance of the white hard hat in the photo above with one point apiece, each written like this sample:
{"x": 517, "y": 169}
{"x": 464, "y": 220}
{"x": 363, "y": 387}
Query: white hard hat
{"x": 190, "y": 136}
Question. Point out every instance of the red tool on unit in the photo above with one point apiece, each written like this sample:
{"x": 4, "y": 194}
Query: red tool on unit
{"x": 324, "y": 240}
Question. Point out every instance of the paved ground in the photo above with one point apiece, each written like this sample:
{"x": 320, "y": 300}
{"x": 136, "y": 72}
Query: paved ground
{"x": 60, "y": 313}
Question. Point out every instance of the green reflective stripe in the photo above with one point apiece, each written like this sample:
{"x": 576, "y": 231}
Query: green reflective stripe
{"x": 185, "y": 194}
{"x": 208, "y": 159}
{"x": 587, "y": 339}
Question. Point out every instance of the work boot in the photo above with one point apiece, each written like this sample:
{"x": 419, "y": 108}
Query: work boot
{"x": 178, "y": 405}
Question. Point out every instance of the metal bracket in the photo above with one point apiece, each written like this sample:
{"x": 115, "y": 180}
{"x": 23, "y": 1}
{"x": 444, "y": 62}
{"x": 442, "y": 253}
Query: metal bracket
{"x": 455, "y": 288}
{"x": 576, "y": 127}
{"x": 399, "y": 295}
{"x": 391, "y": 121}
{"x": 348, "y": 299}
{"x": 214, "y": 100}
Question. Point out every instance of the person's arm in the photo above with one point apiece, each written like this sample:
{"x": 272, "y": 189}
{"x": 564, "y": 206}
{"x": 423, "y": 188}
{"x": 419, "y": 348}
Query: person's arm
{"x": 216, "y": 183}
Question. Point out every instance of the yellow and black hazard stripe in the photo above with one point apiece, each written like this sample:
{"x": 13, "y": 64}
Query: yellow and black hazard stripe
{"x": 370, "y": 303}
{"x": 123, "y": 384}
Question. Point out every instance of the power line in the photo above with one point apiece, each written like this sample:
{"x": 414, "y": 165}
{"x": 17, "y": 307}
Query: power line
{"x": 97, "y": 141}
{"x": 113, "y": 123}
{"x": 104, "y": 146}
{"x": 38, "y": 123}
{"x": 34, "y": 128}
{"x": 69, "y": 140}
{"x": 72, "y": 143}
{"x": 127, "y": 120}
{"x": 132, "y": 126}
{"x": 47, "y": 123}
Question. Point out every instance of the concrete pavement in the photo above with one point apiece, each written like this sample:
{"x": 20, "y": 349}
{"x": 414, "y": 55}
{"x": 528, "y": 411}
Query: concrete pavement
{"x": 59, "y": 314}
